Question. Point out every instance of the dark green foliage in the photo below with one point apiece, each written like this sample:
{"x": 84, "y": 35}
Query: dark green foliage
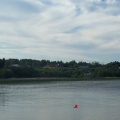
{"x": 6, "y": 73}
{"x": 23, "y": 71}
{"x": 28, "y": 68}
{"x": 2, "y": 63}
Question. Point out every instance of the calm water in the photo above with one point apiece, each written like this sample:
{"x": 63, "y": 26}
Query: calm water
{"x": 55, "y": 101}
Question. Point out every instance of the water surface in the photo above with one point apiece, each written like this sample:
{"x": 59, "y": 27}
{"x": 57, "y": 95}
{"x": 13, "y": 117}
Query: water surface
{"x": 97, "y": 100}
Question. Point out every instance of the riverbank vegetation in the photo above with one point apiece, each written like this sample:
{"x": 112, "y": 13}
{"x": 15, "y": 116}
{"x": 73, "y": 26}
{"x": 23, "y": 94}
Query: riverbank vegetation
{"x": 28, "y": 68}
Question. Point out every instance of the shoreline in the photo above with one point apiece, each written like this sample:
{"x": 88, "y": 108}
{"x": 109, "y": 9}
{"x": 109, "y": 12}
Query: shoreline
{"x": 42, "y": 79}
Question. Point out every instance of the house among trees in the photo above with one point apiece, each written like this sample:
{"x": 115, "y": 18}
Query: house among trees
{"x": 88, "y": 74}
{"x": 47, "y": 66}
{"x": 58, "y": 66}
{"x": 15, "y": 65}
{"x": 84, "y": 67}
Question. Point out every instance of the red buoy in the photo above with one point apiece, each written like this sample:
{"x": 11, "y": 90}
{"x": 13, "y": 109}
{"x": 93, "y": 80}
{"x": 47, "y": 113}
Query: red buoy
{"x": 76, "y": 106}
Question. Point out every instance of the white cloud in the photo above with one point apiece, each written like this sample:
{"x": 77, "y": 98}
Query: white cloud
{"x": 64, "y": 29}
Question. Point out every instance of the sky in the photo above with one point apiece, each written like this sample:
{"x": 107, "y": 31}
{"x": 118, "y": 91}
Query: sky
{"x": 80, "y": 30}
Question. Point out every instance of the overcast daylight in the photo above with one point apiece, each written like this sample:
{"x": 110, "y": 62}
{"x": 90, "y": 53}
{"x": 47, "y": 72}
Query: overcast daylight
{"x": 80, "y": 30}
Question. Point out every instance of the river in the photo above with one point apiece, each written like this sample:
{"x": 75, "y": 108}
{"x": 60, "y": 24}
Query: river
{"x": 55, "y": 100}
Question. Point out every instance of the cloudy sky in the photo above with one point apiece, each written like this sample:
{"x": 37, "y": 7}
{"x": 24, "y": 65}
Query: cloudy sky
{"x": 80, "y": 30}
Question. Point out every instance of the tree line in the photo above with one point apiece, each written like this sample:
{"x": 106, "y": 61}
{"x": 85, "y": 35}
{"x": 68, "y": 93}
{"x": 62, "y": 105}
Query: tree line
{"x": 23, "y": 68}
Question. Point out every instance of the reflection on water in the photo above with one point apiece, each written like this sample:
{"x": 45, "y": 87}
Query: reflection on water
{"x": 97, "y": 100}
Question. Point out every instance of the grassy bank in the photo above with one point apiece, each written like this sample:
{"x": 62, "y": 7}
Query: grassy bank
{"x": 32, "y": 80}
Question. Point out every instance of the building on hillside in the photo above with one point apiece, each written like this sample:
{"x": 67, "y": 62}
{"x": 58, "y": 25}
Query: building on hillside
{"x": 47, "y": 66}
{"x": 84, "y": 67}
{"x": 58, "y": 66}
{"x": 15, "y": 65}
{"x": 88, "y": 74}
